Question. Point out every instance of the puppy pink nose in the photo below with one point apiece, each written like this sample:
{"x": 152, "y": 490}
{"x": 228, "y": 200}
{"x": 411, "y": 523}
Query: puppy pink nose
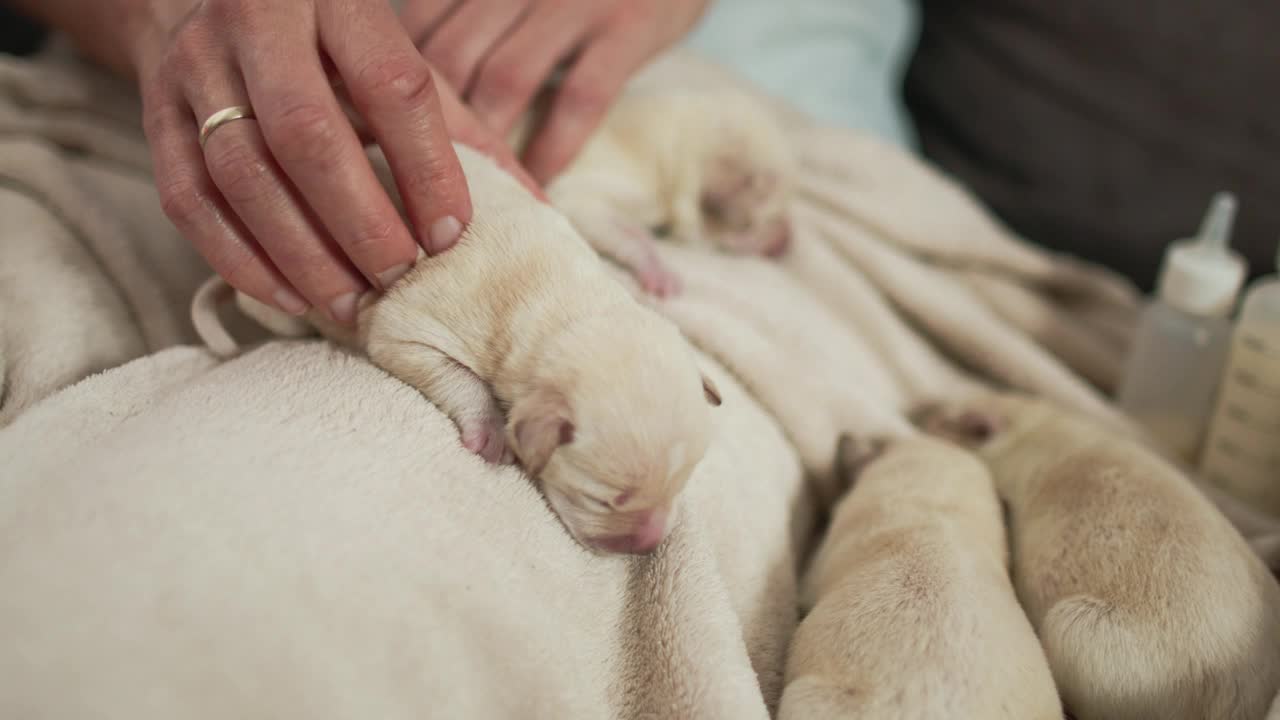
{"x": 649, "y": 532}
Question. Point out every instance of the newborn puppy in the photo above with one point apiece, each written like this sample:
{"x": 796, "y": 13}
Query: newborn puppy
{"x": 602, "y": 398}
{"x": 914, "y": 616}
{"x": 1148, "y": 602}
{"x": 706, "y": 167}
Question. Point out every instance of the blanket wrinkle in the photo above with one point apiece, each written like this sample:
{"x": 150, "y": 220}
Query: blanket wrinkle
{"x": 920, "y": 371}
{"x": 1084, "y": 352}
{"x": 965, "y": 326}
{"x": 864, "y": 177}
{"x": 292, "y": 532}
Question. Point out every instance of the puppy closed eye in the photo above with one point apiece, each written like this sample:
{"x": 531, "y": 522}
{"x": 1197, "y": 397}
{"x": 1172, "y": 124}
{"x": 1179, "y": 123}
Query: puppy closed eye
{"x": 597, "y": 504}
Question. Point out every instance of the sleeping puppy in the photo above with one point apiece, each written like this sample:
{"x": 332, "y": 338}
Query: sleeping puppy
{"x": 708, "y": 167}
{"x": 522, "y": 337}
{"x": 915, "y": 616}
{"x": 1148, "y": 602}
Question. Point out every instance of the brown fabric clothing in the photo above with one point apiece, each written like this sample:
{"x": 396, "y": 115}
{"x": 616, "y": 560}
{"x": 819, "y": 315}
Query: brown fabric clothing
{"x": 1102, "y": 128}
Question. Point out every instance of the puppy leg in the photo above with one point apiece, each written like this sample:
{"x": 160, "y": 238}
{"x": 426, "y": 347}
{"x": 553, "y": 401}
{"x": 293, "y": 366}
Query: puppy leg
{"x": 452, "y": 387}
{"x": 635, "y": 249}
{"x": 625, "y": 242}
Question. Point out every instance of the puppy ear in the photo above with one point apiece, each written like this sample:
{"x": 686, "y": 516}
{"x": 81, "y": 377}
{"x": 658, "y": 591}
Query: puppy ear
{"x": 540, "y": 423}
{"x": 711, "y": 392}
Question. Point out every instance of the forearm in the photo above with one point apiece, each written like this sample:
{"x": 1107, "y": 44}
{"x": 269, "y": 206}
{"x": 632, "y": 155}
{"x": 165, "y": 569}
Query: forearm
{"x": 109, "y": 32}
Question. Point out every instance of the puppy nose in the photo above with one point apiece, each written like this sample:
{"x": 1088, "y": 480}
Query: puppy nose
{"x": 649, "y": 532}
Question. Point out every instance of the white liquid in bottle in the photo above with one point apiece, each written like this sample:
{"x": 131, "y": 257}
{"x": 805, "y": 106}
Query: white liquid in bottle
{"x": 1242, "y": 449}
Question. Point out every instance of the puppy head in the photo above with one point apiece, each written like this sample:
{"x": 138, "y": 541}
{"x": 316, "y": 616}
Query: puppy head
{"x": 747, "y": 172}
{"x": 613, "y": 450}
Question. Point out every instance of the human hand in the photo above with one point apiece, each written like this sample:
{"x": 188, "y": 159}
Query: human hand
{"x": 285, "y": 205}
{"x": 500, "y": 53}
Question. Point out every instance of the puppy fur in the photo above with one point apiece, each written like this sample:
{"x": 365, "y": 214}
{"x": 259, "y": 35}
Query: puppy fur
{"x": 709, "y": 167}
{"x": 1148, "y": 602}
{"x": 914, "y": 616}
{"x": 520, "y": 335}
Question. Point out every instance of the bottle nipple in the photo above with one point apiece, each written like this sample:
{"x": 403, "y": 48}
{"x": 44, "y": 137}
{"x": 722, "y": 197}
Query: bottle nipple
{"x": 1215, "y": 229}
{"x": 1202, "y": 274}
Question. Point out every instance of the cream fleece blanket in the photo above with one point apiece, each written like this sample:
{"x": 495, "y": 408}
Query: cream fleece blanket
{"x": 293, "y": 533}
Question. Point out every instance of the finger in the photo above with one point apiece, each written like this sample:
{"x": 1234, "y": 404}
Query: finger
{"x": 313, "y": 142}
{"x": 259, "y": 192}
{"x": 590, "y": 87}
{"x": 192, "y": 202}
{"x": 421, "y": 18}
{"x": 393, "y": 88}
{"x": 465, "y": 128}
{"x": 513, "y": 74}
{"x": 467, "y": 36}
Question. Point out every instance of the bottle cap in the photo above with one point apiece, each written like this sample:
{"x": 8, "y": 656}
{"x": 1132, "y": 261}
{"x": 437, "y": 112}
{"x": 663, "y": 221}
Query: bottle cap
{"x": 1202, "y": 275}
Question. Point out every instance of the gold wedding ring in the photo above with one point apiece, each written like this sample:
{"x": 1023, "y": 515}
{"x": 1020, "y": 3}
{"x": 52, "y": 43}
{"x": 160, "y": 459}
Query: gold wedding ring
{"x": 222, "y": 117}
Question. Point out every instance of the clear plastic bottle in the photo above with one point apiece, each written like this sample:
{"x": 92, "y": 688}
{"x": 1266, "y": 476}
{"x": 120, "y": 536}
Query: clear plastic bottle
{"x": 1183, "y": 337}
{"x": 1242, "y": 451}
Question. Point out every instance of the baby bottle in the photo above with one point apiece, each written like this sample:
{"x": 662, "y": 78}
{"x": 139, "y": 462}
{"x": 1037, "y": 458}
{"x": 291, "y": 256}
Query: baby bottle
{"x": 1178, "y": 353}
{"x": 1242, "y": 450}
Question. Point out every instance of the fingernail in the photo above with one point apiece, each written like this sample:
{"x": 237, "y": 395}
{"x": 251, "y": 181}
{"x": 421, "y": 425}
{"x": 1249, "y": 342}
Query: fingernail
{"x": 392, "y": 274}
{"x": 289, "y": 301}
{"x": 444, "y": 234}
{"x": 343, "y": 309}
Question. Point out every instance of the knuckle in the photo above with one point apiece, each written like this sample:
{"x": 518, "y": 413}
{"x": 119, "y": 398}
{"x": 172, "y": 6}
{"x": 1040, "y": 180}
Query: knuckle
{"x": 401, "y": 79}
{"x": 159, "y": 117}
{"x": 239, "y": 172}
{"x": 234, "y": 262}
{"x": 373, "y": 232}
{"x": 233, "y": 13}
{"x": 425, "y": 179}
{"x": 510, "y": 79}
{"x": 305, "y": 132}
{"x": 185, "y": 51}
{"x": 181, "y": 200}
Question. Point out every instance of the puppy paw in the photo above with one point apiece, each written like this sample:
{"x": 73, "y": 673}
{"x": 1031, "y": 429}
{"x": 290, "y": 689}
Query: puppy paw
{"x": 485, "y": 435}
{"x": 658, "y": 280}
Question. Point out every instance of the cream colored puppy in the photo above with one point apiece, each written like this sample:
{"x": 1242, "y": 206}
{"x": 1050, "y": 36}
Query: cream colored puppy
{"x": 521, "y": 336}
{"x": 914, "y": 616}
{"x": 706, "y": 166}
{"x": 1150, "y": 605}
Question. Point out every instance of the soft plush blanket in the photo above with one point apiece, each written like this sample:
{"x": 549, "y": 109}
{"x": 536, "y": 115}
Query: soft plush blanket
{"x": 293, "y": 533}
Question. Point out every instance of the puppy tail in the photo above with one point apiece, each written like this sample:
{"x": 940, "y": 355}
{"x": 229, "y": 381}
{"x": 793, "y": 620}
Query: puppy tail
{"x": 204, "y": 316}
{"x": 276, "y": 321}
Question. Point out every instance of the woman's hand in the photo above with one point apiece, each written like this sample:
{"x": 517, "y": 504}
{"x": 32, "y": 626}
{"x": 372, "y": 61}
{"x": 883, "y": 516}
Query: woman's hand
{"x": 500, "y": 53}
{"x": 285, "y": 205}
